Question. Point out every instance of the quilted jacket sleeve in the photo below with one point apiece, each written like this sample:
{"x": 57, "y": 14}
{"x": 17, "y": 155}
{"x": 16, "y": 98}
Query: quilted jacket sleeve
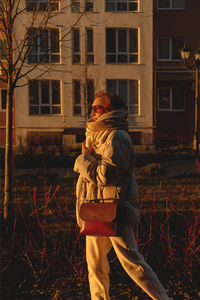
{"x": 116, "y": 161}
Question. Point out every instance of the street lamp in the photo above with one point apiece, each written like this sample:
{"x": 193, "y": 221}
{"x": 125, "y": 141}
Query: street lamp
{"x": 185, "y": 54}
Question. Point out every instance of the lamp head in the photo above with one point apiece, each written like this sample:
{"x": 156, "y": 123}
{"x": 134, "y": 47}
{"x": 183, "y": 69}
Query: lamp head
{"x": 197, "y": 55}
{"x": 185, "y": 52}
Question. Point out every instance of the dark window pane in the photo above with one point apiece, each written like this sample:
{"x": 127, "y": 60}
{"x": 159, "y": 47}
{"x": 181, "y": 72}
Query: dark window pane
{"x": 33, "y": 92}
{"x": 178, "y": 98}
{"x": 34, "y": 110}
{"x": 76, "y": 58}
{"x": 121, "y": 6}
{"x": 133, "y": 58}
{"x": 44, "y": 47}
{"x": 122, "y": 40}
{"x": 111, "y": 86}
{"x": 77, "y": 92}
{"x": 45, "y": 92}
{"x": 55, "y": 92}
{"x": 77, "y": 110}
{"x": 133, "y": 40}
{"x": 33, "y": 58}
{"x": 76, "y": 42}
{"x": 110, "y": 58}
{"x": 89, "y": 6}
{"x": 90, "y": 59}
{"x": 110, "y": 6}
{"x": 133, "y": 110}
{"x": 55, "y": 58}
{"x": 164, "y": 98}
{"x": 90, "y": 91}
{"x": 56, "y": 110}
{"x": 89, "y": 40}
{"x": 45, "y": 58}
{"x": 122, "y": 87}
{"x": 110, "y": 40}
{"x": 3, "y": 99}
{"x": 164, "y": 3}
{"x": 178, "y": 3}
{"x": 55, "y": 41}
{"x": 177, "y": 44}
{"x": 3, "y": 49}
{"x": 43, "y": 5}
{"x": 122, "y": 58}
{"x": 45, "y": 110}
{"x": 163, "y": 49}
{"x": 133, "y": 92}
{"x": 75, "y": 5}
{"x": 54, "y": 5}
{"x": 133, "y": 6}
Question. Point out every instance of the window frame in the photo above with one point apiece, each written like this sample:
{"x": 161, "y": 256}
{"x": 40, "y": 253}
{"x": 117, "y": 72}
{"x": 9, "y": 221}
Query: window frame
{"x": 127, "y": 52}
{"x": 128, "y": 93}
{"x": 170, "y": 109}
{"x": 170, "y": 39}
{"x": 170, "y": 6}
{"x": 116, "y": 2}
{"x": 41, "y": 105}
{"x": 47, "y": 53}
{"x": 1, "y": 99}
{"x": 41, "y": 2}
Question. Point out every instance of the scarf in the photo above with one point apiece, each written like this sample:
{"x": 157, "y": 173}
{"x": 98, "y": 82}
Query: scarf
{"x": 97, "y": 131}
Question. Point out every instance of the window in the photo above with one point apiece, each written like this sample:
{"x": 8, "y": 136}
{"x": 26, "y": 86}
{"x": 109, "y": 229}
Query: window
{"x": 78, "y": 95}
{"x": 45, "y": 46}
{"x": 128, "y": 90}
{"x": 168, "y": 48}
{"x": 41, "y": 5}
{"x": 3, "y": 49}
{"x": 171, "y": 4}
{"x": 171, "y": 99}
{"x": 75, "y": 5}
{"x": 76, "y": 56}
{"x": 89, "y": 46}
{"x": 89, "y": 5}
{"x": 121, "y": 46}
{"x": 3, "y": 95}
{"x": 90, "y": 92}
{"x": 44, "y": 97}
{"x": 121, "y": 5}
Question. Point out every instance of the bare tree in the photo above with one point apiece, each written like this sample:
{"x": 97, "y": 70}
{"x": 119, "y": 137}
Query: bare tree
{"x": 15, "y": 63}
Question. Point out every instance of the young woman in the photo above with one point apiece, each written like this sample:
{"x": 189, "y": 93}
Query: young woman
{"x": 106, "y": 168}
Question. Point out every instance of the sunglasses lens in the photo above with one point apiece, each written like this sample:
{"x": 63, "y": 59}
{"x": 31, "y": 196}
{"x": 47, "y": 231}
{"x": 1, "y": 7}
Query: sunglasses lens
{"x": 98, "y": 108}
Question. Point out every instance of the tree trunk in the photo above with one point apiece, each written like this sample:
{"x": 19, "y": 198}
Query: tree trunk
{"x": 8, "y": 151}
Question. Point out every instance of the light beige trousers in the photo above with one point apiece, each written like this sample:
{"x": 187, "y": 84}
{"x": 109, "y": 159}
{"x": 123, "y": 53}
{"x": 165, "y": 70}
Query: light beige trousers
{"x": 97, "y": 248}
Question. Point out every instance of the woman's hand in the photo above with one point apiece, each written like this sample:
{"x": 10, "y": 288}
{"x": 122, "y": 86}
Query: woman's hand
{"x": 86, "y": 150}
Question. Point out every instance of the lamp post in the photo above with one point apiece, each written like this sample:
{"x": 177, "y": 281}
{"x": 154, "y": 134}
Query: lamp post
{"x": 185, "y": 54}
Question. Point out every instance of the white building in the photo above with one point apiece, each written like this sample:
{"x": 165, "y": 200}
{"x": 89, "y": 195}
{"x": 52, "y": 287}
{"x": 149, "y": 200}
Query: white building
{"x": 110, "y": 48}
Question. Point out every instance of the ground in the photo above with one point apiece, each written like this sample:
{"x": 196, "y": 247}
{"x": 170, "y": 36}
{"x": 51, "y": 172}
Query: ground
{"x": 43, "y": 258}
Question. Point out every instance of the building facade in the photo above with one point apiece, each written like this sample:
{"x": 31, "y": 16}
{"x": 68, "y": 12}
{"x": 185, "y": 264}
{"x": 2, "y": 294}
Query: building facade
{"x": 175, "y": 25}
{"x": 109, "y": 47}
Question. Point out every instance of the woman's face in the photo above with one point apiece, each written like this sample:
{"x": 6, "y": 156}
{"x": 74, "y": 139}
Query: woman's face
{"x": 98, "y": 108}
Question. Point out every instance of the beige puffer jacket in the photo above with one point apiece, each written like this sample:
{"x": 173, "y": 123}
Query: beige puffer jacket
{"x": 109, "y": 173}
